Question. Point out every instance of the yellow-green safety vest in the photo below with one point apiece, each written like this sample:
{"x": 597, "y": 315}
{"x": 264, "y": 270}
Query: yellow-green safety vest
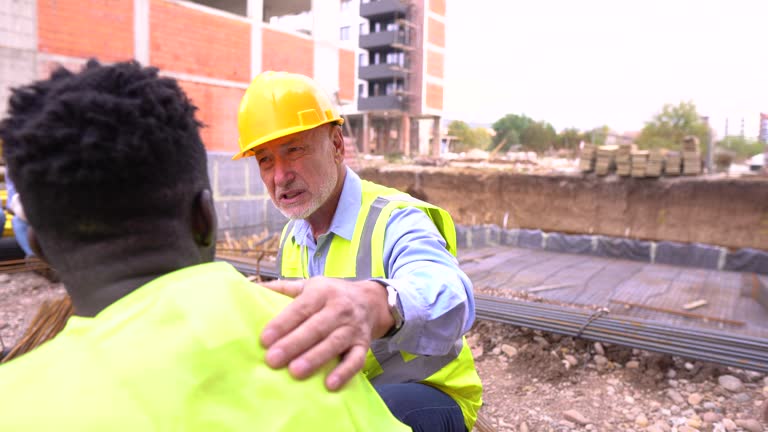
{"x": 181, "y": 353}
{"x": 361, "y": 259}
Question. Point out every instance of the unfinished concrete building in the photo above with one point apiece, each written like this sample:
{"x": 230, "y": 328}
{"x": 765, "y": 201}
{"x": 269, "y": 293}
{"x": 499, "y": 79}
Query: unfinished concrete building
{"x": 400, "y": 77}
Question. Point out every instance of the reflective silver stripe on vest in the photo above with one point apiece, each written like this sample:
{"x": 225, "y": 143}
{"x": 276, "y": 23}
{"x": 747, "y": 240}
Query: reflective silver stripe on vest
{"x": 288, "y": 233}
{"x": 364, "y": 267}
{"x": 396, "y": 370}
{"x": 394, "y": 367}
{"x": 364, "y": 255}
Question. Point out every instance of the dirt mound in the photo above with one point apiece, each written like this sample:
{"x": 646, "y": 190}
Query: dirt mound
{"x": 730, "y": 212}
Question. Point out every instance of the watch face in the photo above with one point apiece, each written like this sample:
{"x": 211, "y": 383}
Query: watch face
{"x": 394, "y": 306}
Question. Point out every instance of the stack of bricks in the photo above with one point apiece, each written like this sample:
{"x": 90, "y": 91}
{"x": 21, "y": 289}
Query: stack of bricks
{"x": 605, "y": 156}
{"x": 655, "y": 163}
{"x": 673, "y": 165}
{"x": 623, "y": 160}
{"x": 639, "y": 163}
{"x": 587, "y": 158}
{"x": 691, "y": 156}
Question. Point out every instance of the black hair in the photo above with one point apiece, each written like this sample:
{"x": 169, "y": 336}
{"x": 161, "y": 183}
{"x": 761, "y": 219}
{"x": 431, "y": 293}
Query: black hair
{"x": 109, "y": 151}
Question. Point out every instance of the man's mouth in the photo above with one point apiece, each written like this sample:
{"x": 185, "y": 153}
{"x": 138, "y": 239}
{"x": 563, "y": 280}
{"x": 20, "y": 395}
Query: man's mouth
{"x": 290, "y": 196}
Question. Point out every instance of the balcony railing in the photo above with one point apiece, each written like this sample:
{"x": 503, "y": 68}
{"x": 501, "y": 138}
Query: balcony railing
{"x": 382, "y": 103}
{"x": 383, "y": 39}
{"x": 383, "y": 8}
{"x": 382, "y": 71}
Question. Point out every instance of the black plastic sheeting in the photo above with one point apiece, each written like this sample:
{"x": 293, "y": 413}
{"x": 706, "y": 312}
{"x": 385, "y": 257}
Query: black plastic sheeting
{"x": 663, "y": 252}
{"x": 688, "y": 254}
{"x": 747, "y": 260}
{"x": 636, "y": 250}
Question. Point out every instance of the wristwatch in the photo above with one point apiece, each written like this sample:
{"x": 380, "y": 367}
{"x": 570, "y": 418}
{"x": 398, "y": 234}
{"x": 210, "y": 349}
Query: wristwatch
{"x": 395, "y": 309}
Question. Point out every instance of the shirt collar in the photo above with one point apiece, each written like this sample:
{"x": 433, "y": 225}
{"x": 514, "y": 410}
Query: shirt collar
{"x": 345, "y": 217}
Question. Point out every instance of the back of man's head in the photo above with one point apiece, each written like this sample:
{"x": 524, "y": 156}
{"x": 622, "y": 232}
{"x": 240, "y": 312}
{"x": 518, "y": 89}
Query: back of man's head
{"x": 106, "y": 154}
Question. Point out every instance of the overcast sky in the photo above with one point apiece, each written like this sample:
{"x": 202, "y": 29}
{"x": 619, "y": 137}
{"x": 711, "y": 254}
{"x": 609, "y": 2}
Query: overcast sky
{"x": 584, "y": 63}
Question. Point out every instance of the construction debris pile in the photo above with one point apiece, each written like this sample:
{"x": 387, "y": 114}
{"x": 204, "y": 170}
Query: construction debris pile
{"x": 626, "y": 160}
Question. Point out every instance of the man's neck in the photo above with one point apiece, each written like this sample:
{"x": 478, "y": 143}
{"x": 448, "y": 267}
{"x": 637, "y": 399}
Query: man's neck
{"x": 109, "y": 280}
{"x": 320, "y": 221}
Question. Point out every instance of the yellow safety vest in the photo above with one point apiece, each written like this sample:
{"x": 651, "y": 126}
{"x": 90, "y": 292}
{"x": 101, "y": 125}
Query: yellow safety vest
{"x": 181, "y": 353}
{"x": 361, "y": 259}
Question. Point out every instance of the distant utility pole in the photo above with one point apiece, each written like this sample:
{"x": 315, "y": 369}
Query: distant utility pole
{"x": 708, "y": 160}
{"x": 727, "y": 144}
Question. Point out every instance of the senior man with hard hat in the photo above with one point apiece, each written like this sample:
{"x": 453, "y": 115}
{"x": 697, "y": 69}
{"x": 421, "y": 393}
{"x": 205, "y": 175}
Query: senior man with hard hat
{"x": 372, "y": 270}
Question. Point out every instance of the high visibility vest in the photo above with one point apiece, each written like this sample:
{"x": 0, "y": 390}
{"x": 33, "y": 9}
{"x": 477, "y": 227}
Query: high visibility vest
{"x": 180, "y": 353}
{"x": 361, "y": 259}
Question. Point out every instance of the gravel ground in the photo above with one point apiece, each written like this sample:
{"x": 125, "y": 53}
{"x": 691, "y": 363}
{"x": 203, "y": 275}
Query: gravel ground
{"x": 21, "y": 294}
{"x": 537, "y": 381}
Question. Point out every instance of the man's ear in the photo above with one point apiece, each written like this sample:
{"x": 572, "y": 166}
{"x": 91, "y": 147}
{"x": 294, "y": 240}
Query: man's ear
{"x": 34, "y": 244}
{"x": 338, "y": 142}
{"x": 204, "y": 219}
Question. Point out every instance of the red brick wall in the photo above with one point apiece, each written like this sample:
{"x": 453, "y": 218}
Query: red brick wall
{"x": 434, "y": 96}
{"x": 436, "y": 32}
{"x": 285, "y": 52}
{"x": 86, "y": 28}
{"x": 435, "y": 63}
{"x": 346, "y": 75}
{"x": 194, "y": 42}
{"x": 217, "y": 109}
{"x": 437, "y": 6}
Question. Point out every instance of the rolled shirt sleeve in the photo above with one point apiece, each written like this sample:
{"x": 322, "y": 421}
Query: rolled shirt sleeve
{"x": 435, "y": 294}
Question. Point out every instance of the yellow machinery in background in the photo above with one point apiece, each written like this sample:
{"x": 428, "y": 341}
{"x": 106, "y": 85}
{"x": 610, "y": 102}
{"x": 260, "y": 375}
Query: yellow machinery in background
{"x": 7, "y": 228}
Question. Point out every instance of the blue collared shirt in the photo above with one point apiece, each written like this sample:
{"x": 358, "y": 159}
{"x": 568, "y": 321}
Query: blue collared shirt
{"x": 436, "y": 295}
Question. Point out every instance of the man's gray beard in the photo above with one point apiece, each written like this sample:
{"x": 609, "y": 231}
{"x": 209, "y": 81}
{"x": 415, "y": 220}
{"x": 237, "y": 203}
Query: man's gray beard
{"x": 325, "y": 192}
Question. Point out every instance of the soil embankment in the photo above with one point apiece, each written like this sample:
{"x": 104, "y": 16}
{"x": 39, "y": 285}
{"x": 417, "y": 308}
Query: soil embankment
{"x": 730, "y": 212}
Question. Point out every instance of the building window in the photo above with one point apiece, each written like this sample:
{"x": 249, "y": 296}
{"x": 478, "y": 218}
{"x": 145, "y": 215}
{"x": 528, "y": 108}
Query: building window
{"x": 362, "y": 59}
{"x": 396, "y": 58}
{"x": 393, "y": 88}
{"x": 376, "y": 58}
{"x": 376, "y": 27}
{"x": 364, "y": 28}
{"x": 346, "y": 5}
{"x": 361, "y": 91}
{"x": 392, "y": 26}
{"x": 344, "y": 34}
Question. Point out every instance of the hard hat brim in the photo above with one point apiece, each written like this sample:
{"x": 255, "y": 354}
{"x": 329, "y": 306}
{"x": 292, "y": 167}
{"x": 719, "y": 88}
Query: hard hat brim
{"x": 248, "y": 150}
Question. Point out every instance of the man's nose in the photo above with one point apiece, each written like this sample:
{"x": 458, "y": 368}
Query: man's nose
{"x": 283, "y": 171}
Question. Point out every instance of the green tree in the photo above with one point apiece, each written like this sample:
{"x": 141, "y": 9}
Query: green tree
{"x": 742, "y": 147}
{"x": 509, "y": 129}
{"x": 674, "y": 122}
{"x": 538, "y": 136}
{"x": 598, "y": 135}
{"x": 569, "y": 139}
{"x": 468, "y": 137}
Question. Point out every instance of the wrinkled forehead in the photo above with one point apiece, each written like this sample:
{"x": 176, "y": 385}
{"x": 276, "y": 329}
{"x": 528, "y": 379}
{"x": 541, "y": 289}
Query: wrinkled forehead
{"x": 307, "y": 137}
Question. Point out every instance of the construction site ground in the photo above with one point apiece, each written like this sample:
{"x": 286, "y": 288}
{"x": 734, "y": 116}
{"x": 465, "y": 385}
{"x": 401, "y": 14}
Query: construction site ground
{"x": 539, "y": 381}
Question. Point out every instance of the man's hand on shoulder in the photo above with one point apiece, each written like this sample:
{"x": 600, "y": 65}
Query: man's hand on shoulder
{"x": 329, "y": 318}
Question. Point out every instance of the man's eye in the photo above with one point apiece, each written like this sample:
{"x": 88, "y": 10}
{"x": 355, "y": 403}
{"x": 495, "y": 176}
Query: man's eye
{"x": 264, "y": 160}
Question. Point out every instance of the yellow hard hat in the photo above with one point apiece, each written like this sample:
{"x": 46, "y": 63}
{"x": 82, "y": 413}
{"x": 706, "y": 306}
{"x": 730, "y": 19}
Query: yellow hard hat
{"x": 277, "y": 104}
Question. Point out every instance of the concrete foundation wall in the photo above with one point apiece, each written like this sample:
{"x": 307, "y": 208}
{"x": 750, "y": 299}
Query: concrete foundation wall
{"x": 724, "y": 212}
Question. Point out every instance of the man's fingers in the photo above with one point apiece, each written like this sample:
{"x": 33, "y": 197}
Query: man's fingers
{"x": 291, "y": 288}
{"x": 321, "y": 350}
{"x": 297, "y": 312}
{"x": 313, "y": 332}
{"x": 352, "y": 363}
